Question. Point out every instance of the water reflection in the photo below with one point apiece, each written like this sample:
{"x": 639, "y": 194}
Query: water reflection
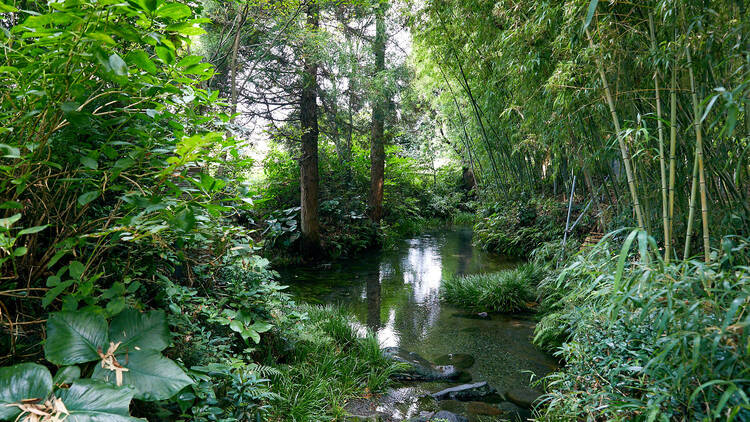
{"x": 422, "y": 268}
{"x": 396, "y": 295}
{"x": 373, "y": 300}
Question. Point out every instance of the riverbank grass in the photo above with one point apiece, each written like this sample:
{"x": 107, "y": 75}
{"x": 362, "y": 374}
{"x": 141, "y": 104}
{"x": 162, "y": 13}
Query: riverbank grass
{"x": 505, "y": 291}
{"x": 332, "y": 362}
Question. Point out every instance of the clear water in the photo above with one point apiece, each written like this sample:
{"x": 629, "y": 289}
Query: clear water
{"x": 396, "y": 294}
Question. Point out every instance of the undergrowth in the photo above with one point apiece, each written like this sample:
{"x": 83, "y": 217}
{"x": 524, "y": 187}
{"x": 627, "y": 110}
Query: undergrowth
{"x": 643, "y": 340}
{"x": 331, "y": 363}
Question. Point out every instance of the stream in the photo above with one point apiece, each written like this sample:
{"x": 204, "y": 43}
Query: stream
{"x": 396, "y": 294}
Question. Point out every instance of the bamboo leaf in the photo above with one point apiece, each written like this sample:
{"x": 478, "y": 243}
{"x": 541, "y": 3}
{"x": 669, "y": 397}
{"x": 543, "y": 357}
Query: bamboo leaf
{"x": 590, "y": 14}
{"x": 622, "y": 258}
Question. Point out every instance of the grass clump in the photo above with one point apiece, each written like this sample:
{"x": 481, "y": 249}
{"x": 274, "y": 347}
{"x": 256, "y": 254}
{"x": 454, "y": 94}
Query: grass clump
{"x": 504, "y": 291}
{"x": 332, "y": 362}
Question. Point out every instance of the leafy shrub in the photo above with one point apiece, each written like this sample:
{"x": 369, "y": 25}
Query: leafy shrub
{"x": 504, "y": 291}
{"x": 647, "y": 341}
{"x": 464, "y": 218}
{"x": 517, "y": 228}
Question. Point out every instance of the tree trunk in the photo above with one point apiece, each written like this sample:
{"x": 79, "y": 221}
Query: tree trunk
{"x": 309, "y": 177}
{"x": 235, "y": 53}
{"x": 377, "y": 151}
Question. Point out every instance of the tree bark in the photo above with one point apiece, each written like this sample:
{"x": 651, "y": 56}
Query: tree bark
{"x": 309, "y": 176}
{"x": 377, "y": 151}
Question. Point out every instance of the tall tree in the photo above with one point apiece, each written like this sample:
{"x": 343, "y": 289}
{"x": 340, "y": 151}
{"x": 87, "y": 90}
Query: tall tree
{"x": 309, "y": 178}
{"x": 377, "y": 152}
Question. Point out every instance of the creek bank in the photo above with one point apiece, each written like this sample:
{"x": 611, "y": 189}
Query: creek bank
{"x": 424, "y": 395}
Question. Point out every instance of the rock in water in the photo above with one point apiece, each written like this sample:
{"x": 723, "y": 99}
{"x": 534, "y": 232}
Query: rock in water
{"x": 482, "y": 408}
{"x": 514, "y": 413}
{"x": 524, "y": 397}
{"x": 420, "y": 369}
{"x": 466, "y": 392}
{"x": 442, "y": 415}
{"x": 459, "y": 360}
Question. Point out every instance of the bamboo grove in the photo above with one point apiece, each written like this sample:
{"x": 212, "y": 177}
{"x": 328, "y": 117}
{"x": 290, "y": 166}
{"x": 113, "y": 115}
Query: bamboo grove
{"x": 644, "y": 102}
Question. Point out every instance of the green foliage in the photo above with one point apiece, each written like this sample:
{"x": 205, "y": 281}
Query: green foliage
{"x": 670, "y": 342}
{"x": 413, "y": 200}
{"x": 504, "y": 291}
{"x": 134, "y": 342}
{"x": 516, "y": 228}
{"x": 27, "y": 391}
{"x": 332, "y": 362}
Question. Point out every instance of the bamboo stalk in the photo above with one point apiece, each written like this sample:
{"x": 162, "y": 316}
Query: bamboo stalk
{"x": 623, "y": 148}
{"x": 662, "y": 160}
{"x": 672, "y": 156}
{"x": 699, "y": 158}
{"x": 691, "y": 213}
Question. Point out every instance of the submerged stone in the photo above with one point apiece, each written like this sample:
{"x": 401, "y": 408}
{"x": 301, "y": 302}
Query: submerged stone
{"x": 524, "y": 397}
{"x": 459, "y": 360}
{"x": 481, "y": 315}
{"x": 466, "y": 392}
{"x": 442, "y": 415}
{"x": 464, "y": 377}
{"x": 514, "y": 413}
{"x": 482, "y": 408}
{"x": 419, "y": 368}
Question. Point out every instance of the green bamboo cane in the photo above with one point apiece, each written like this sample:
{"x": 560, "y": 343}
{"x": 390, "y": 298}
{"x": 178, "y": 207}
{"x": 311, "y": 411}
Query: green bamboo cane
{"x": 662, "y": 160}
{"x": 623, "y": 148}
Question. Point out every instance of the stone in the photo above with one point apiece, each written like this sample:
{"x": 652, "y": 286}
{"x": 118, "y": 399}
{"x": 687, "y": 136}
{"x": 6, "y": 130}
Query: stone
{"x": 420, "y": 369}
{"x": 454, "y": 406}
{"x": 482, "y": 408}
{"x": 466, "y": 392}
{"x": 481, "y": 315}
{"x": 464, "y": 377}
{"x": 514, "y": 413}
{"x": 442, "y": 416}
{"x": 523, "y": 397}
{"x": 459, "y": 360}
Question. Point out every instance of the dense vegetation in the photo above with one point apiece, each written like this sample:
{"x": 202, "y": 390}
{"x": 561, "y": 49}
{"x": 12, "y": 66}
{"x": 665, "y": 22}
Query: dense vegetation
{"x": 159, "y": 158}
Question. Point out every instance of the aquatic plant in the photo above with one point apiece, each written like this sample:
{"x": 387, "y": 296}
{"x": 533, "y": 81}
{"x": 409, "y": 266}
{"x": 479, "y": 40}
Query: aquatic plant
{"x": 504, "y": 291}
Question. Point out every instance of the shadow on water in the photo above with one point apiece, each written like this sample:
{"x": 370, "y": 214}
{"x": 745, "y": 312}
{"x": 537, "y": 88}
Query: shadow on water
{"x": 396, "y": 294}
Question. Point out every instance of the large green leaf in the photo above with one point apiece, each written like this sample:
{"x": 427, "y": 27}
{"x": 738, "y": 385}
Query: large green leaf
{"x": 66, "y": 375}
{"x": 75, "y": 337}
{"x": 154, "y": 376}
{"x": 147, "y": 331}
{"x": 96, "y": 401}
{"x": 21, "y": 382}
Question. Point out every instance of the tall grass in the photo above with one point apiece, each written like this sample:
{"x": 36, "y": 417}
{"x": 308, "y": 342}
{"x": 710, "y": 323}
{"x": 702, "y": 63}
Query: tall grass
{"x": 643, "y": 340}
{"x": 331, "y": 363}
{"x": 504, "y": 291}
